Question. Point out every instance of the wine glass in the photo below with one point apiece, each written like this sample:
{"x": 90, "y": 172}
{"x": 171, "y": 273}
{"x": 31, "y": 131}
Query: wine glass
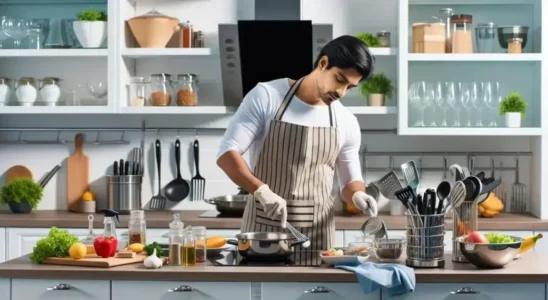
{"x": 489, "y": 101}
{"x": 420, "y": 95}
{"x": 476, "y": 101}
{"x": 17, "y": 29}
{"x": 428, "y": 102}
{"x": 451, "y": 99}
{"x": 439, "y": 99}
{"x": 464, "y": 92}
{"x": 412, "y": 100}
{"x": 3, "y": 35}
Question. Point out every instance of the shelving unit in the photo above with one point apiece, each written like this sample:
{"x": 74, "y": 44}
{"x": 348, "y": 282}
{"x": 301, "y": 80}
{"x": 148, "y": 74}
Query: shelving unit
{"x": 476, "y": 57}
{"x": 156, "y": 52}
{"x": 53, "y": 52}
{"x": 41, "y": 110}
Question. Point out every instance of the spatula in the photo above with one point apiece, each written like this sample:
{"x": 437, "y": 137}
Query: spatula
{"x": 198, "y": 182}
{"x": 158, "y": 201}
{"x": 457, "y": 196}
{"x": 411, "y": 174}
{"x": 389, "y": 184}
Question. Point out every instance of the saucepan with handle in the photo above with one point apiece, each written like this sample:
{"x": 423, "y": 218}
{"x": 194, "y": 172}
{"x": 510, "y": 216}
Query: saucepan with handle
{"x": 270, "y": 246}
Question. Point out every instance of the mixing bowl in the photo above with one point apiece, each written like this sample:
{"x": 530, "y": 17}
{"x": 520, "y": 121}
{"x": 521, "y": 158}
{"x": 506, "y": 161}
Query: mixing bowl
{"x": 505, "y": 33}
{"x": 490, "y": 255}
{"x": 389, "y": 249}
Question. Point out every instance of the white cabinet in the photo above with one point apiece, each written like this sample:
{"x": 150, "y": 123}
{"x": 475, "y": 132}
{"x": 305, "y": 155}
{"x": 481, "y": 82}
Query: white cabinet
{"x": 5, "y": 289}
{"x": 317, "y": 290}
{"x": 3, "y": 245}
{"x": 542, "y": 245}
{"x": 436, "y": 291}
{"x": 38, "y": 289}
{"x": 167, "y": 290}
{"x": 21, "y": 241}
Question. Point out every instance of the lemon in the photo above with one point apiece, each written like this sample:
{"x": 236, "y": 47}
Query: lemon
{"x": 78, "y": 250}
{"x": 136, "y": 247}
{"x": 88, "y": 196}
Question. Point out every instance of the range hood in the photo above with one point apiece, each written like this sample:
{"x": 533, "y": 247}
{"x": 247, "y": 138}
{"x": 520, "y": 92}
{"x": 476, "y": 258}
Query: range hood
{"x": 276, "y": 44}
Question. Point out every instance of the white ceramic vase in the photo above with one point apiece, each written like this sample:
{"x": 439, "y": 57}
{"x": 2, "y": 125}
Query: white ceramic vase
{"x": 90, "y": 34}
{"x": 513, "y": 119}
{"x": 375, "y": 100}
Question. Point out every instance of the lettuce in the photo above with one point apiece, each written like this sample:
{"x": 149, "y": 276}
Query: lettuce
{"x": 56, "y": 244}
{"x": 498, "y": 238}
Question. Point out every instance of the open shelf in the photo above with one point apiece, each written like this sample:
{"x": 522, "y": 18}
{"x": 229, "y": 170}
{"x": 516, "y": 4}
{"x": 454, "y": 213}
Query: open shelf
{"x": 56, "y": 110}
{"x": 475, "y": 57}
{"x": 384, "y": 51}
{"x": 167, "y": 110}
{"x": 53, "y": 52}
{"x": 372, "y": 110}
{"x": 470, "y": 131}
{"x": 155, "y": 52}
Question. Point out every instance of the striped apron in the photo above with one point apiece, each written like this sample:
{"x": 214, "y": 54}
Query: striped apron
{"x": 298, "y": 164}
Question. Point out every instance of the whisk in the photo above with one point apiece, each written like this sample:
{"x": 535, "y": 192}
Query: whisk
{"x": 299, "y": 236}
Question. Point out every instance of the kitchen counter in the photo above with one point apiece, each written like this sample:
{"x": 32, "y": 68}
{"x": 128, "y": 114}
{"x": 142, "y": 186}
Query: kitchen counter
{"x": 161, "y": 219}
{"x": 531, "y": 268}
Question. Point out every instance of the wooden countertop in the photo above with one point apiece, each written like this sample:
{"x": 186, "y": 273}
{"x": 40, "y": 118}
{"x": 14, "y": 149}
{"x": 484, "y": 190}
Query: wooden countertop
{"x": 161, "y": 219}
{"x": 531, "y": 268}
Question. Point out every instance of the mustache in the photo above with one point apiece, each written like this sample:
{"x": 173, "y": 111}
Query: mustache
{"x": 333, "y": 95}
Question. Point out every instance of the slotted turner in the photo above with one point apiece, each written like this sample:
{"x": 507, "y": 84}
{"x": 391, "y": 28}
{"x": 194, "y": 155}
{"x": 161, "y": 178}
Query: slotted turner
{"x": 411, "y": 174}
{"x": 158, "y": 201}
{"x": 389, "y": 184}
{"x": 197, "y": 182}
{"x": 457, "y": 196}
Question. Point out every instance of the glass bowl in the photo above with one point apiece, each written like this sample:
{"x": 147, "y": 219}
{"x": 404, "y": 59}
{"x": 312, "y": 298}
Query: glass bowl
{"x": 389, "y": 249}
{"x": 359, "y": 248}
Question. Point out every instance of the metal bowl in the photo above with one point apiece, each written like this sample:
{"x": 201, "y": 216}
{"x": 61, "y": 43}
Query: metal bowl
{"x": 505, "y": 33}
{"x": 230, "y": 204}
{"x": 490, "y": 256}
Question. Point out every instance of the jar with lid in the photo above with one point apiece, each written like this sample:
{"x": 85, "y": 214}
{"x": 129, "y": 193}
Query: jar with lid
{"x": 160, "y": 89}
{"x": 515, "y": 45}
{"x": 189, "y": 248}
{"x": 5, "y": 90}
{"x": 186, "y": 35}
{"x": 187, "y": 89}
{"x": 176, "y": 241}
{"x": 462, "y": 34}
{"x": 384, "y": 38}
{"x": 137, "y": 227}
{"x": 485, "y": 37}
{"x": 26, "y": 91}
{"x": 50, "y": 90}
{"x": 137, "y": 91}
{"x": 201, "y": 245}
{"x": 199, "y": 41}
{"x": 445, "y": 17}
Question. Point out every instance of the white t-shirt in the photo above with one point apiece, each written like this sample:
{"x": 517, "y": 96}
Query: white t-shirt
{"x": 249, "y": 126}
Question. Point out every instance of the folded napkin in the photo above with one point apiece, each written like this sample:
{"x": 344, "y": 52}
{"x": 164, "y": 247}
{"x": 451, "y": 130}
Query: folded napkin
{"x": 397, "y": 279}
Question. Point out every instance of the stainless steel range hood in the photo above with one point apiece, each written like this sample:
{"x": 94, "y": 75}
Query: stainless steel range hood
{"x": 236, "y": 79}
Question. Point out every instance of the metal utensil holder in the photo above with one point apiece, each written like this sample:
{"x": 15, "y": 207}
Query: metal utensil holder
{"x": 465, "y": 220}
{"x": 124, "y": 193}
{"x": 425, "y": 240}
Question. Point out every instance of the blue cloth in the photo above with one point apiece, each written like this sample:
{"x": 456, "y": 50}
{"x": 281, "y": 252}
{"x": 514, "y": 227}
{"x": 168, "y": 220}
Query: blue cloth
{"x": 397, "y": 279}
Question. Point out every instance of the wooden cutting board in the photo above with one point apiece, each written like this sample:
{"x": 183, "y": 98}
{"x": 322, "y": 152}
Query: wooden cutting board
{"x": 16, "y": 172}
{"x": 93, "y": 260}
{"x": 77, "y": 174}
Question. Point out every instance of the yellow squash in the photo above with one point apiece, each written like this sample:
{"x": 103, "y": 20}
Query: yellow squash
{"x": 529, "y": 242}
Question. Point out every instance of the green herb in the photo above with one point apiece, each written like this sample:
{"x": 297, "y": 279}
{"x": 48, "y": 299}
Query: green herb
{"x": 92, "y": 15}
{"x": 150, "y": 249}
{"x": 498, "y": 238}
{"x": 513, "y": 103}
{"x": 377, "y": 84}
{"x": 369, "y": 39}
{"x": 21, "y": 190}
{"x": 56, "y": 244}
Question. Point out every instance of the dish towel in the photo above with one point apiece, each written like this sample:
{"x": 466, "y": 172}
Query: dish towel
{"x": 397, "y": 279}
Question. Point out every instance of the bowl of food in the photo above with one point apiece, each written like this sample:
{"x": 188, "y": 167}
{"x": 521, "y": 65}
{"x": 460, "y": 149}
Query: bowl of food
{"x": 504, "y": 33}
{"x": 489, "y": 251}
{"x": 341, "y": 255}
{"x": 387, "y": 249}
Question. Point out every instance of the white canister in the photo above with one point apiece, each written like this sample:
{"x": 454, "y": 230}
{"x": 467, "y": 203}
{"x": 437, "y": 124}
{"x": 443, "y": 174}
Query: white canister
{"x": 26, "y": 92}
{"x": 4, "y": 90}
{"x": 50, "y": 90}
{"x": 513, "y": 119}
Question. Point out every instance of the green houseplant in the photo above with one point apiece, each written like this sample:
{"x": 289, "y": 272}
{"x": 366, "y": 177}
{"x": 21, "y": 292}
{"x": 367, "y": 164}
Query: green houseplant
{"x": 376, "y": 89}
{"x": 22, "y": 195}
{"x": 91, "y": 28}
{"x": 369, "y": 39}
{"x": 513, "y": 107}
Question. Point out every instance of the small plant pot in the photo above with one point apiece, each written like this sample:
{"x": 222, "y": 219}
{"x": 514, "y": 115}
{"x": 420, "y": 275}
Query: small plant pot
{"x": 90, "y": 34}
{"x": 375, "y": 100}
{"x": 20, "y": 208}
{"x": 513, "y": 119}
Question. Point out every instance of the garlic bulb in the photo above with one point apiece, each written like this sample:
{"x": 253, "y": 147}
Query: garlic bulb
{"x": 153, "y": 262}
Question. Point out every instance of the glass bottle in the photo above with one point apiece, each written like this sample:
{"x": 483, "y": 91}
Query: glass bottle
{"x": 137, "y": 227}
{"x": 176, "y": 241}
{"x": 137, "y": 91}
{"x": 187, "y": 90}
{"x": 200, "y": 241}
{"x": 462, "y": 34}
{"x": 160, "y": 89}
{"x": 445, "y": 15}
{"x": 189, "y": 248}
{"x": 186, "y": 35}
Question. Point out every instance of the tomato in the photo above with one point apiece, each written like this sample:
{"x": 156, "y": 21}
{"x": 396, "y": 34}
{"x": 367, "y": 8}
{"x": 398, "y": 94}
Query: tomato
{"x": 476, "y": 238}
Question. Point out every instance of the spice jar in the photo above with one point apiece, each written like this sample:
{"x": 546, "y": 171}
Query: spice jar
{"x": 26, "y": 91}
{"x": 160, "y": 89}
{"x": 199, "y": 41}
{"x": 384, "y": 38}
{"x": 137, "y": 227}
{"x": 187, "y": 90}
{"x": 5, "y": 90}
{"x": 189, "y": 248}
{"x": 50, "y": 90}
{"x": 201, "y": 245}
{"x": 462, "y": 34}
{"x": 176, "y": 241}
{"x": 515, "y": 45}
{"x": 185, "y": 35}
{"x": 445, "y": 14}
{"x": 137, "y": 91}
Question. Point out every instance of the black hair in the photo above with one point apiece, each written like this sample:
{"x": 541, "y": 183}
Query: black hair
{"x": 348, "y": 52}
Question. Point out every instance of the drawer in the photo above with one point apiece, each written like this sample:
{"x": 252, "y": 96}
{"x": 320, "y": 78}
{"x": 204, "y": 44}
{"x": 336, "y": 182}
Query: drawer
{"x": 5, "y": 289}
{"x": 312, "y": 290}
{"x": 36, "y": 289}
{"x": 435, "y": 291}
{"x": 167, "y": 290}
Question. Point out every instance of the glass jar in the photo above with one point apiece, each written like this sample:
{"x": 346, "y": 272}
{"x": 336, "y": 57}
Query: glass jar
{"x": 160, "y": 89}
{"x": 200, "y": 241}
{"x": 384, "y": 38}
{"x": 185, "y": 35}
{"x": 176, "y": 241}
{"x": 50, "y": 90}
{"x": 35, "y": 38}
{"x": 445, "y": 16}
{"x": 189, "y": 248}
{"x": 5, "y": 90}
{"x": 199, "y": 41}
{"x": 515, "y": 45}
{"x": 462, "y": 34}
{"x": 26, "y": 91}
{"x": 137, "y": 227}
{"x": 137, "y": 91}
{"x": 485, "y": 37}
{"x": 187, "y": 90}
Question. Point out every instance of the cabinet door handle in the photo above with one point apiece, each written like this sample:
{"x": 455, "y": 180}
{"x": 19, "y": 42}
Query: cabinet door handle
{"x": 318, "y": 290}
{"x": 182, "y": 288}
{"x": 466, "y": 290}
{"x": 165, "y": 235}
{"x": 60, "y": 287}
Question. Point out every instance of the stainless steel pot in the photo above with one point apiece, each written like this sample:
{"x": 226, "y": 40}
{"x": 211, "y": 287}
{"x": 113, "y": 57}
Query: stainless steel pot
{"x": 230, "y": 204}
{"x": 265, "y": 245}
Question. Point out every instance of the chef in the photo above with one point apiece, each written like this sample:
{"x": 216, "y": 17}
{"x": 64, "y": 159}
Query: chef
{"x": 298, "y": 133}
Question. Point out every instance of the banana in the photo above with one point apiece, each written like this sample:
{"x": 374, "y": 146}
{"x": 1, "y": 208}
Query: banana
{"x": 529, "y": 242}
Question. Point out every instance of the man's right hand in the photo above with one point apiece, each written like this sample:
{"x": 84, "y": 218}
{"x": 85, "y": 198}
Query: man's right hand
{"x": 274, "y": 205}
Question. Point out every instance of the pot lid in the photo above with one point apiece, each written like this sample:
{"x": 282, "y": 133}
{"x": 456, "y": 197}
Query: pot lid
{"x": 154, "y": 14}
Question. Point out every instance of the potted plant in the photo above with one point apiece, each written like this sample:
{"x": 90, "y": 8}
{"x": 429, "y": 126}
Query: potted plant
{"x": 369, "y": 39}
{"x": 91, "y": 28}
{"x": 22, "y": 195}
{"x": 513, "y": 107}
{"x": 376, "y": 89}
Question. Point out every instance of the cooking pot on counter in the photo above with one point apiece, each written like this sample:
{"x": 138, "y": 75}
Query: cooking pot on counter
{"x": 233, "y": 205}
{"x": 265, "y": 245}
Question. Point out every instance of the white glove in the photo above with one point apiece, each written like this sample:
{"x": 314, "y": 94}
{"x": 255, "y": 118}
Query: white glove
{"x": 274, "y": 205}
{"x": 365, "y": 202}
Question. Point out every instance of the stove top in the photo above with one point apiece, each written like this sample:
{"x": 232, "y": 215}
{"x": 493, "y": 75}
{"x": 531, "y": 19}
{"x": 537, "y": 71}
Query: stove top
{"x": 233, "y": 258}
{"x": 216, "y": 214}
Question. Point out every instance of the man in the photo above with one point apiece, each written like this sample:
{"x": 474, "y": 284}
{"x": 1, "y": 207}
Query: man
{"x": 299, "y": 133}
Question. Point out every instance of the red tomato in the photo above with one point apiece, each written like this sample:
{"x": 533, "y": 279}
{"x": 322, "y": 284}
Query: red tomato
{"x": 476, "y": 238}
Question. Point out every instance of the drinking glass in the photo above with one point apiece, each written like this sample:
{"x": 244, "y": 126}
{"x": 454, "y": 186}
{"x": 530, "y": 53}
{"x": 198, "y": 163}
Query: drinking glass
{"x": 3, "y": 35}
{"x": 490, "y": 102}
{"x": 476, "y": 101}
{"x": 17, "y": 29}
{"x": 420, "y": 96}
{"x": 464, "y": 93}
{"x": 428, "y": 102}
{"x": 497, "y": 99}
{"x": 439, "y": 99}
{"x": 451, "y": 99}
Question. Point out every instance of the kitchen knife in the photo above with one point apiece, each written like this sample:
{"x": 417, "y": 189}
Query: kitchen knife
{"x": 121, "y": 167}
{"x": 419, "y": 204}
{"x": 115, "y": 168}
{"x": 425, "y": 202}
{"x": 433, "y": 202}
{"x": 126, "y": 168}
